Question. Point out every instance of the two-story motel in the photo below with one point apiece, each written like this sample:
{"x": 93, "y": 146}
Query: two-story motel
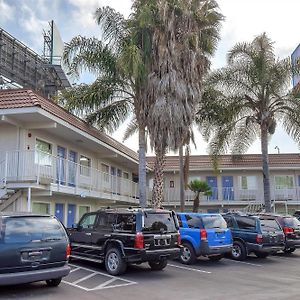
{"x": 53, "y": 162}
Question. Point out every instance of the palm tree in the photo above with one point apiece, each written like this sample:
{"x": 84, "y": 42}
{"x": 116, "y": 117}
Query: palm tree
{"x": 183, "y": 42}
{"x": 199, "y": 187}
{"x": 119, "y": 60}
{"x": 246, "y": 99}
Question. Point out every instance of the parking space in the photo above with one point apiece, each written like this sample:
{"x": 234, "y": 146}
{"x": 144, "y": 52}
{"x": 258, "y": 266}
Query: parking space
{"x": 276, "y": 277}
{"x": 90, "y": 280}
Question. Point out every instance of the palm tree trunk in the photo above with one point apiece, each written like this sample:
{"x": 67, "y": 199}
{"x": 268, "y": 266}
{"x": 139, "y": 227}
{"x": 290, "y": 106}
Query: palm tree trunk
{"x": 181, "y": 173}
{"x": 196, "y": 203}
{"x": 158, "y": 184}
{"x": 142, "y": 167}
{"x": 265, "y": 163}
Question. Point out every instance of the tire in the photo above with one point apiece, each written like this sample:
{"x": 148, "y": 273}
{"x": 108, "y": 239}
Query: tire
{"x": 114, "y": 262}
{"x": 239, "y": 251}
{"x": 53, "y": 282}
{"x": 289, "y": 250}
{"x": 158, "y": 265}
{"x": 187, "y": 256}
{"x": 215, "y": 257}
{"x": 261, "y": 254}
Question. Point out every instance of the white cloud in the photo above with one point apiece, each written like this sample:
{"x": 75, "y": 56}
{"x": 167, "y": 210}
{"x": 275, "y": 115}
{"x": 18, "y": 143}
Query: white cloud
{"x": 6, "y": 11}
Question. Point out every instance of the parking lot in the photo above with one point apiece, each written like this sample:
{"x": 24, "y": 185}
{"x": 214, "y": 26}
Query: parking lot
{"x": 276, "y": 277}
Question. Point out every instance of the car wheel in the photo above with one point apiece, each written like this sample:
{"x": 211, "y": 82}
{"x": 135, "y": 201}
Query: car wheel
{"x": 216, "y": 257}
{"x": 238, "y": 251}
{"x": 114, "y": 262}
{"x": 261, "y": 254}
{"x": 289, "y": 250}
{"x": 187, "y": 255}
{"x": 158, "y": 265}
{"x": 53, "y": 282}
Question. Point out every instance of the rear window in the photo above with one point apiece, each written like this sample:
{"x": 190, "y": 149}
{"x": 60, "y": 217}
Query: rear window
{"x": 291, "y": 222}
{"x": 214, "y": 221}
{"x": 269, "y": 225}
{"x": 28, "y": 229}
{"x": 159, "y": 222}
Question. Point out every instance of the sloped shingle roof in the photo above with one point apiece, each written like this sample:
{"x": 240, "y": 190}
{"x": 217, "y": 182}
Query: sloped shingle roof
{"x": 203, "y": 162}
{"x": 20, "y": 98}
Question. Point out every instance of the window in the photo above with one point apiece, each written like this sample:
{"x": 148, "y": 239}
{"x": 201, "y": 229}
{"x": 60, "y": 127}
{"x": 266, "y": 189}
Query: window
{"x": 88, "y": 221}
{"x": 248, "y": 182}
{"x": 159, "y": 222}
{"x": 179, "y": 220}
{"x": 83, "y": 210}
{"x": 283, "y": 182}
{"x": 171, "y": 183}
{"x": 106, "y": 220}
{"x": 193, "y": 221}
{"x": 126, "y": 175}
{"x": 105, "y": 168}
{"x": 43, "y": 153}
{"x": 229, "y": 222}
{"x": 125, "y": 222}
{"x": 85, "y": 165}
{"x": 214, "y": 221}
{"x": 27, "y": 229}
{"x": 269, "y": 225}
{"x": 246, "y": 223}
{"x": 41, "y": 208}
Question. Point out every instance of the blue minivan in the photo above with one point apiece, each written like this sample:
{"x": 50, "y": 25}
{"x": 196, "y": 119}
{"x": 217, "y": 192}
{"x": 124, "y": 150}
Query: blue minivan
{"x": 203, "y": 234}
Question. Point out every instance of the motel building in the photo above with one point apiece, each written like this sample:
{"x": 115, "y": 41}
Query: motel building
{"x": 53, "y": 162}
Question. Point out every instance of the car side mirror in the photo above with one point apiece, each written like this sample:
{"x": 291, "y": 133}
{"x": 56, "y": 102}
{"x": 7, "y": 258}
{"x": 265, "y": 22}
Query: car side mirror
{"x": 76, "y": 226}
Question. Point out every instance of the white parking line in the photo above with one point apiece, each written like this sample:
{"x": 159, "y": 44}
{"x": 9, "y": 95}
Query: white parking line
{"x": 190, "y": 269}
{"x": 103, "y": 285}
{"x": 84, "y": 278}
{"x": 245, "y": 263}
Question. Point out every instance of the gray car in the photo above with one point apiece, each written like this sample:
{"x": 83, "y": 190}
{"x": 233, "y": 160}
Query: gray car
{"x": 32, "y": 248}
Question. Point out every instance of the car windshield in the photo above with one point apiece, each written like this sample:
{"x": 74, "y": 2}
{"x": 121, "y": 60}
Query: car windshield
{"x": 214, "y": 221}
{"x": 291, "y": 222}
{"x": 159, "y": 222}
{"x": 269, "y": 225}
{"x": 28, "y": 229}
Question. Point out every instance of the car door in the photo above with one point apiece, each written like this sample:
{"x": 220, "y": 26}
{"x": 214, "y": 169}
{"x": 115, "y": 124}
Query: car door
{"x": 81, "y": 237}
{"x": 103, "y": 231}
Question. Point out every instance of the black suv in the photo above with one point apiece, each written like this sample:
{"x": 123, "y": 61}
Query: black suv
{"x": 261, "y": 235}
{"x": 291, "y": 229}
{"x": 121, "y": 236}
{"x": 32, "y": 248}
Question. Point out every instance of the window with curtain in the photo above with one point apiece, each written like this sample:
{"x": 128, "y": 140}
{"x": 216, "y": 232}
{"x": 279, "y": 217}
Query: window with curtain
{"x": 284, "y": 182}
{"x": 43, "y": 153}
{"x": 248, "y": 182}
{"x": 85, "y": 165}
{"x": 41, "y": 208}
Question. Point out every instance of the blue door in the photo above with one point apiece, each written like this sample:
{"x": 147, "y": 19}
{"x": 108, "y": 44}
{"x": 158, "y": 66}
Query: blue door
{"x": 227, "y": 187}
{"x": 71, "y": 215}
{"x": 213, "y": 183}
{"x": 72, "y": 168}
{"x": 60, "y": 165}
{"x": 59, "y": 212}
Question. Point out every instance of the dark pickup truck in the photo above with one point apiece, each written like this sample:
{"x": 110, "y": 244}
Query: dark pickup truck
{"x": 261, "y": 235}
{"x": 121, "y": 236}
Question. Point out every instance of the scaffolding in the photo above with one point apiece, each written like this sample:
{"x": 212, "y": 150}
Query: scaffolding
{"x": 22, "y": 67}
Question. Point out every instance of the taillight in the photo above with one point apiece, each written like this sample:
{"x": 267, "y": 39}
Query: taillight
{"x": 259, "y": 238}
{"x": 287, "y": 230}
{"x": 139, "y": 240}
{"x": 178, "y": 239}
{"x": 68, "y": 251}
{"x": 203, "y": 234}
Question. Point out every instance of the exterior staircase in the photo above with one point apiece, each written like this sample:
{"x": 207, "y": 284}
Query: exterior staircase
{"x": 7, "y": 197}
{"x": 254, "y": 208}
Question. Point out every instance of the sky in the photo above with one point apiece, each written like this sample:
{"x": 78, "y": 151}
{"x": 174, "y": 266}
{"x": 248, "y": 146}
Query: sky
{"x": 244, "y": 19}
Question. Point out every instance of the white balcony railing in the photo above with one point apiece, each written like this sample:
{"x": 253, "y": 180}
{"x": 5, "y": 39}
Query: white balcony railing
{"x": 60, "y": 173}
{"x": 231, "y": 195}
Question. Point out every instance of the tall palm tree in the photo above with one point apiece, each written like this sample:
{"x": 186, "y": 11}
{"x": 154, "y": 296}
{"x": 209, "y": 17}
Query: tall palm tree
{"x": 247, "y": 98}
{"x": 119, "y": 61}
{"x": 183, "y": 42}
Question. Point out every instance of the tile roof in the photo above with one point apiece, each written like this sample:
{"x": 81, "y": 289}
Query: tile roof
{"x": 20, "y": 98}
{"x": 203, "y": 162}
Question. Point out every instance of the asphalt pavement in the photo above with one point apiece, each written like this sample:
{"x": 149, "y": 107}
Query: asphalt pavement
{"x": 276, "y": 277}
